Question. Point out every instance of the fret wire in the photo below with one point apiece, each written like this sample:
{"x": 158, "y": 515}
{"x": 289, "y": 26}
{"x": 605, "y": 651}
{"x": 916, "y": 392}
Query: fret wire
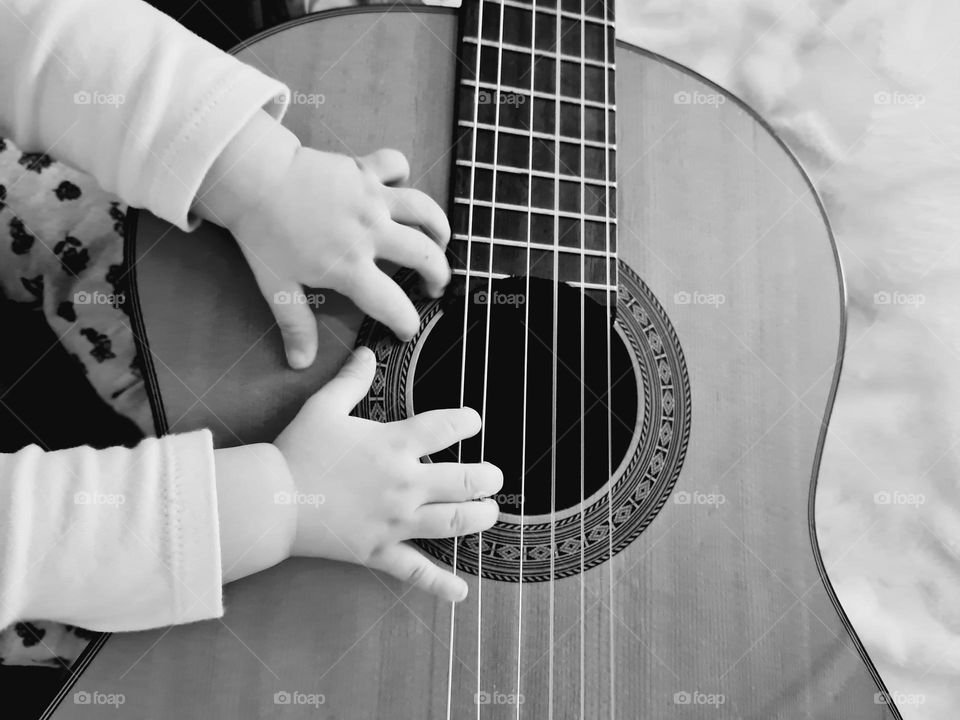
{"x": 538, "y": 94}
{"x": 500, "y": 242}
{"x": 475, "y": 36}
{"x": 538, "y": 52}
{"x": 610, "y": 94}
{"x": 546, "y": 174}
{"x": 537, "y": 134}
{"x": 549, "y": 11}
{"x": 499, "y": 205}
{"x": 484, "y": 275}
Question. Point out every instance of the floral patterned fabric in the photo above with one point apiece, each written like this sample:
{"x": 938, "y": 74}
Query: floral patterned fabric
{"x": 61, "y": 253}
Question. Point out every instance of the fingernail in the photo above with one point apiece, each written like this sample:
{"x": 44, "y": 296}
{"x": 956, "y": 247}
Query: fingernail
{"x": 298, "y": 359}
{"x": 363, "y": 354}
{"x": 461, "y": 593}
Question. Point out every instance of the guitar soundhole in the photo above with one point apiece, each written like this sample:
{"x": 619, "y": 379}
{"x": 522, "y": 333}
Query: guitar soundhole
{"x": 518, "y": 361}
{"x": 595, "y": 460}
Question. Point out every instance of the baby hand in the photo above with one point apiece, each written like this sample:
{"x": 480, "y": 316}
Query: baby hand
{"x": 373, "y": 493}
{"x": 306, "y": 217}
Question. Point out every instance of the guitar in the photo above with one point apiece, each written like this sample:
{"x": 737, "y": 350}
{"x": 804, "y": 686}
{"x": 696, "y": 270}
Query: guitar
{"x": 647, "y": 309}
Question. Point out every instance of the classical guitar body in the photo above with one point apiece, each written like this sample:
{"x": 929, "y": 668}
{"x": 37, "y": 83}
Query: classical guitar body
{"x": 651, "y": 319}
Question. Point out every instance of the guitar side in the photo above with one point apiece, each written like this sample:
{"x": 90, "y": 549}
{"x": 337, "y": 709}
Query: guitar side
{"x": 717, "y": 597}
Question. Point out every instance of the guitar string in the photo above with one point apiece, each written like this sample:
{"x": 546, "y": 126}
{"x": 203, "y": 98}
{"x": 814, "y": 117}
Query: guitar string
{"x": 535, "y": 172}
{"x": 542, "y": 95}
{"x": 555, "y": 330}
{"x": 545, "y": 53}
{"x": 583, "y": 299}
{"x": 526, "y": 348}
{"x": 609, "y": 63}
{"x": 553, "y": 439}
{"x": 486, "y": 353}
{"x": 507, "y": 130}
{"x": 466, "y": 313}
{"x": 539, "y": 134}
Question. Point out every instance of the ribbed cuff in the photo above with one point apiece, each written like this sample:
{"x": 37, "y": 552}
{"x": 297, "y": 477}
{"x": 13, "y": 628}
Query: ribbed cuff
{"x": 181, "y": 169}
{"x": 193, "y": 528}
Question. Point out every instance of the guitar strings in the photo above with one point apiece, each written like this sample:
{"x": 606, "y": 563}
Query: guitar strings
{"x": 583, "y": 299}
{"x": 466, "y": 313}
{"x": 526, "y": 348}
{"x": 556, "y": 288}
{"x": 496, "y": 97}
{"x": 489, "y": 279}
{"x": 609, "y": 62}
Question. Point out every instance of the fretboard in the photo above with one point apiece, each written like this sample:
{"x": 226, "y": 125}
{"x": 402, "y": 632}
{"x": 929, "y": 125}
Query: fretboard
{"x": 535, "y": 168}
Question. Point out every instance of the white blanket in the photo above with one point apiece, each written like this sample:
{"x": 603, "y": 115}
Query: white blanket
{"x": 867, "y": 93}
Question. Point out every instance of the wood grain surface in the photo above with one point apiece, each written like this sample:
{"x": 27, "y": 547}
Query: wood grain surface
{"x": 717, "y": 610}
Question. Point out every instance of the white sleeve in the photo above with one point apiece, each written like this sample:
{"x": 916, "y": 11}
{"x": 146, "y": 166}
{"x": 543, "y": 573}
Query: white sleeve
{"x": 111, "y": 540}
{"x": 123, "y": 92}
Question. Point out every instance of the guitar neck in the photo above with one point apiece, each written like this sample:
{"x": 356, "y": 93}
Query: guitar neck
{"x": 534, "y": 174}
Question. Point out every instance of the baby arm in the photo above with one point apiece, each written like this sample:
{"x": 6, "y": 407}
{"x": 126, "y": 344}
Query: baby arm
{"x": 122, "y": 539}
{"x": 114, "y": 539}
{"x": 170, "y": 123}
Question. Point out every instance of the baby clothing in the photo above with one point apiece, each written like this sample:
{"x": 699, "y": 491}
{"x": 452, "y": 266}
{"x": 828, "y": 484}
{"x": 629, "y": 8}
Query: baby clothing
{"x": 118, "y": 539}
{"x": 61, "y": 252}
